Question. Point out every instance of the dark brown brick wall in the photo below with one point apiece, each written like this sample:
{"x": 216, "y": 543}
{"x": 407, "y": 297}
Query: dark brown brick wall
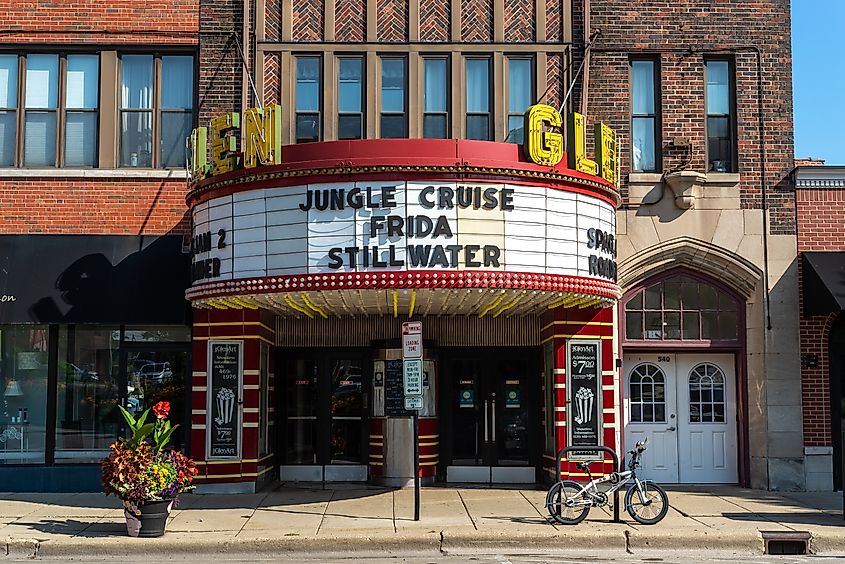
{"x": 392, "y": 20}
{"x": 682, "y": 34}
{"x": 821, "y": 227}
{"x": 307, "y": 20}
{"x": 477, "y": 20}
{"x": 272, "y": 79}
{"x": 220, "y": 65}
{"x": 350, "y": 20}
{"x": 519, "y": 21}
{"x": 435, "y": 20}
{"x": 554, "y": 80}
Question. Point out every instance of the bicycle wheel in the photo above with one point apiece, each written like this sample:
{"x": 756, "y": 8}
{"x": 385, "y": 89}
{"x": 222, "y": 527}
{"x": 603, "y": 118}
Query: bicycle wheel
{"x": 655, "y": 507}
{"x": 562, "y": 501}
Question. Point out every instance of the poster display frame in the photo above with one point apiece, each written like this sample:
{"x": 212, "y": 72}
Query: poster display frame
{"x": 571, "y": 402}
{"x": 210, "y": 392}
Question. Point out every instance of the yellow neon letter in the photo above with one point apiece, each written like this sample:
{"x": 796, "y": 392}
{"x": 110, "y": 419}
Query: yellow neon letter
{"x": 606, "y": 153}
{"x": 224, "y": 142}
{"x": 197, "y": 147}
{"x": 543, "y": 147}
{"x": 577, "y": 141}
{"x": 263, "y": 136}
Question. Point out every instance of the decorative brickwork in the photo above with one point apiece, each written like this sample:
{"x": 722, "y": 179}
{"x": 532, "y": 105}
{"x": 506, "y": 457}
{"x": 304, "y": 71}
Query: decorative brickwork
{"x": 821, "y": 227}
{"x": 272, "y": 20}
{"x": 350, "y": 20}
{"x": 686, "y": 32}
{"x": 435, "y": 20}
{"x": 114, "y": 206}
{"x": 272, "y": 79}
{"x": 392, "y": 20}
{"x": 477, "y": 20}
{"x": 554, "y": 79}
{"x": 94, "y": 22}
{"x": 554, "y": 20}
{"x": 519, "y": 21}
{"x": 307, "y": 20}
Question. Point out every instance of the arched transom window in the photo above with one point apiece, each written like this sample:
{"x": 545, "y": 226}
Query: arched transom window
{"x": 706, "y": 394}
{"x": 647, "y": 393}
{"x": 681, "y": 308}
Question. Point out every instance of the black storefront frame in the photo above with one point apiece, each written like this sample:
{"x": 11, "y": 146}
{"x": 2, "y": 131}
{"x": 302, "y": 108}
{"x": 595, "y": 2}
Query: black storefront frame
{"x": 62, "y": 476}
{"x": 324, "y": 358}
{"x": 535, "y": 431}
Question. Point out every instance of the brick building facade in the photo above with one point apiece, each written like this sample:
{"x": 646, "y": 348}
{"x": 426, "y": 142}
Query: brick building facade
{"x": 701, "y": 354}
{"x": 820, "y": 207}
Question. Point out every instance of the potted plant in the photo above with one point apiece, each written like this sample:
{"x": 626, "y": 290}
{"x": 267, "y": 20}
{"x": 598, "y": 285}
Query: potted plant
{"x": 147, "y": 477}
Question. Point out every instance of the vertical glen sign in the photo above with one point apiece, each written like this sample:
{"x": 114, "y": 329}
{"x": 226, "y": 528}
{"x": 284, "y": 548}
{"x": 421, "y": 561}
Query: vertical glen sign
{"x": 584, "y": 397}
{"x": 225, "y": 393}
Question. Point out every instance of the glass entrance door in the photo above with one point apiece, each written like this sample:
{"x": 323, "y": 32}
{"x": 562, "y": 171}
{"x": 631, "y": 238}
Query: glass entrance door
{"x": 491, "y": 404}
{"x": 324, "y": 407}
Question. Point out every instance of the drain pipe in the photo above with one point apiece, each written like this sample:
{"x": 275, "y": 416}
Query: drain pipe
{"x": 587, "y": 40}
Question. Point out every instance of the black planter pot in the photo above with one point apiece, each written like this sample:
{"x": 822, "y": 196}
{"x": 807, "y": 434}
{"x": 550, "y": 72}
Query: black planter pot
{"x": 153, "y": 517}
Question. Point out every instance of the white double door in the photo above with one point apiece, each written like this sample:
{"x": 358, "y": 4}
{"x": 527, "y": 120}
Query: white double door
{"x": 686, "y": 405}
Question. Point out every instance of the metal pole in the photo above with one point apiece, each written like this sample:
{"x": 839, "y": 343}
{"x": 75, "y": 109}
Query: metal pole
{"x": 416, "y": 465}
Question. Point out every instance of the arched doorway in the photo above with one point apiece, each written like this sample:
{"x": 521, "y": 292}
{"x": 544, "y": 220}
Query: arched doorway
{"x": 682, "y": 335}
{"x": 837, "y": 395}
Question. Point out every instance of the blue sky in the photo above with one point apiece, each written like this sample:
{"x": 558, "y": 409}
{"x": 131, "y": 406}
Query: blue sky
{"x": 818, "y": 78}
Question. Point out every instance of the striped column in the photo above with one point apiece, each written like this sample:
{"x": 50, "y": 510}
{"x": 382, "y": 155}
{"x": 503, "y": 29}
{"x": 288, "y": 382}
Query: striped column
{"x": 572, "y": 323}
{"x": 252, "y": 327}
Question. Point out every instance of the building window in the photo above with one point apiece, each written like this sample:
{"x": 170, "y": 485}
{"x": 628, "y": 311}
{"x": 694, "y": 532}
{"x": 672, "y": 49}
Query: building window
{"x": 156, "y": 109}
{"x": 644, "y": 111}
{"x": 60, "y": 110}
{"x": 308, "y": 88}
{"x": 23, "y": 392}
{"x": 436, "y": 103}
{"x": 478, "y": 99}
{"x": 350, "y": 88}
{"x": 706, "y": 394}
{"x": 520, "y": 95}
{"x": 681, "y": 308}
{"x": 647, "y": 393}
{"x": 720, "y": 116}
{"x": 394, "y": 119}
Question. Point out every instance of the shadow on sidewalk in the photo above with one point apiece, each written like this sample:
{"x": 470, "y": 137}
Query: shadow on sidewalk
{"x": 792, "y": 518}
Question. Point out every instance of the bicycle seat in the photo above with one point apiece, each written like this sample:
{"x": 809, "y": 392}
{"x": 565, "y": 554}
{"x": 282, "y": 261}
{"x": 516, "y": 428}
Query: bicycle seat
{"x": 585, "y": 464}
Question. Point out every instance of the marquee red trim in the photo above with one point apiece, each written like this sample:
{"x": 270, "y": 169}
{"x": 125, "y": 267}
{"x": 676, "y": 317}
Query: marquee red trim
{"x": 403, "y": 159}
{"x": 416, "y": 279}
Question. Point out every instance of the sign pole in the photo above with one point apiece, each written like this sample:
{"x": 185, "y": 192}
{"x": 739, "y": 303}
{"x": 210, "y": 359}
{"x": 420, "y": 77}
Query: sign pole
{"x": 416, "y": 465}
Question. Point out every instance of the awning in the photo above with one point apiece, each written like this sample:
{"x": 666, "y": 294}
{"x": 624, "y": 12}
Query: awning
{"x": 823, "y": 282}
{"x": 93, "y": 279}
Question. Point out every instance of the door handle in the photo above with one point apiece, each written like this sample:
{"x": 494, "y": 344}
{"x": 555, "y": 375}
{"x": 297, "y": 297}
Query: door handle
{"x": 670, "y": 428}
{"x": 493, "y": 413}
{"x": 486, "y": 427}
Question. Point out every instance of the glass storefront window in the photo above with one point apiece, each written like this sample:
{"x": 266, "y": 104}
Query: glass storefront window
{"x": 301, "y": 409}
{"x": 154, "y": 376}
{"x": 347, "y": 407}
{"x": 87, "y": 418}
{"x": 23, "y": 393}
{"x": 156, "y": 334}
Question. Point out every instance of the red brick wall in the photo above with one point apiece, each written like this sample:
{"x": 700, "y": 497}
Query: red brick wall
{"x": 477, "y": 20}
{"x": 350, "y": 20}
{"x": 519, "y": 21}
{"x": 90, "y": 21}
{"x": 115, "y": 206}
{"x": 821, "y": 227}
{"x": 554, "y": 80}
{"x": 392, "y": 20}
{"x": 435, "y": 20}
{"x": 307, "y": 22}
{"x": 554, "y": 20}
{"x": 684, "y": 33}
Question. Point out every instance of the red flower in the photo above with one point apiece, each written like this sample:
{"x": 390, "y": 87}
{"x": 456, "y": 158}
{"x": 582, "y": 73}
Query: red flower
{"x": 161, "y": 409}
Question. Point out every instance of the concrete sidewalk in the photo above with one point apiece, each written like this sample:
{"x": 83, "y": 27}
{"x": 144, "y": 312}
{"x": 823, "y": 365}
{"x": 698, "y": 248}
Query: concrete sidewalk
{"x": 453, "y": 520}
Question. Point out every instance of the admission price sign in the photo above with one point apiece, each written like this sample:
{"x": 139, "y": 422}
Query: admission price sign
{"x": 224, "y": 392}
{"x": 584, "y": 407}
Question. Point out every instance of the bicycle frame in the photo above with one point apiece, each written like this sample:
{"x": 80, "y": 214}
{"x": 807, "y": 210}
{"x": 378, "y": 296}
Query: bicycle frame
{"x": 590, "y": 489}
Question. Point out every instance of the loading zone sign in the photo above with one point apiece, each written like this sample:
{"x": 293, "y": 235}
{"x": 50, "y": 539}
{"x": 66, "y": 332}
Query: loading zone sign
{"x": 413, "y": 376}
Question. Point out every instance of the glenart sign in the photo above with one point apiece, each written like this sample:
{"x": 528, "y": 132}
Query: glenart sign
{"x": 544, "y": 146}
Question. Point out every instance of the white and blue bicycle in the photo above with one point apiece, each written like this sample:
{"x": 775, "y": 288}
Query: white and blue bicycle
{"x": 569, "y": 502}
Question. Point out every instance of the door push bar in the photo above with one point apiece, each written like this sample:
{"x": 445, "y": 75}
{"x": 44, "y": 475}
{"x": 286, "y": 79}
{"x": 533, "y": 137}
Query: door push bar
{"x": 616, "y": 466}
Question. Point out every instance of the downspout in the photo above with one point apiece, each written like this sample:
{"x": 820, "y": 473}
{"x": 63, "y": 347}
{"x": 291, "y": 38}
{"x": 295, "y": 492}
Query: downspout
{"x": 246, "y": 51}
